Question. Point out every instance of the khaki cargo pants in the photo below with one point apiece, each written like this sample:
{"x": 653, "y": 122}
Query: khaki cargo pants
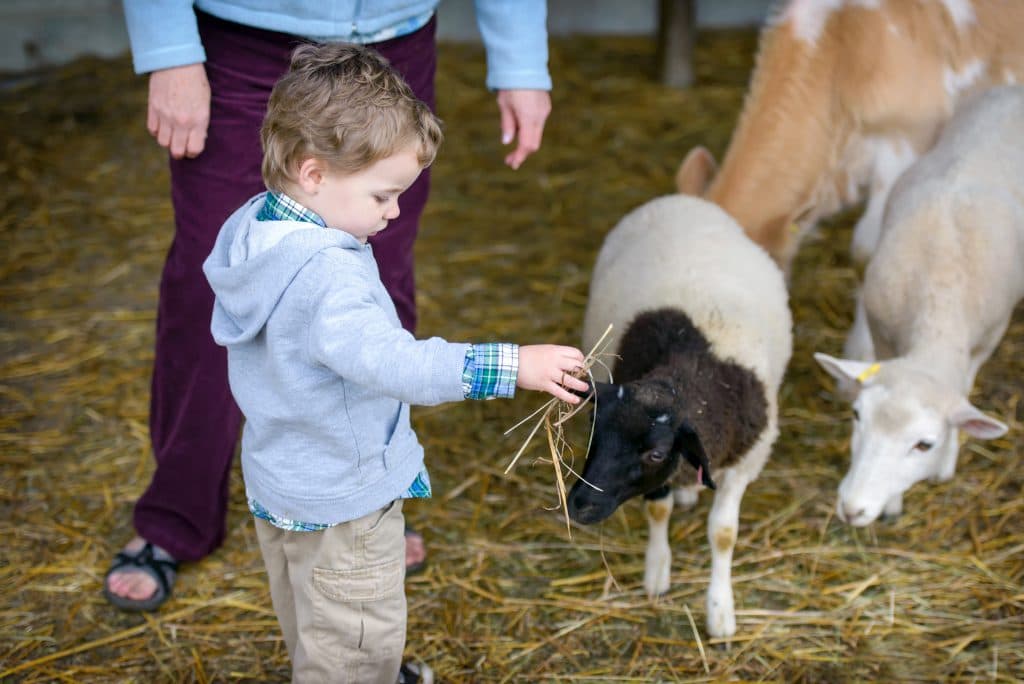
{"x": 339, "y": 595}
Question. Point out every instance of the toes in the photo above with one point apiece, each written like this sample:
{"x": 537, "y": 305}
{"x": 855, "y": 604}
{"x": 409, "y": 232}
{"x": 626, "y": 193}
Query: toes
{"x": 136, "y": 586}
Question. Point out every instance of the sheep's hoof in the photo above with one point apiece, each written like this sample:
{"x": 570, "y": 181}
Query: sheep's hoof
{"x": 721, "y": 620}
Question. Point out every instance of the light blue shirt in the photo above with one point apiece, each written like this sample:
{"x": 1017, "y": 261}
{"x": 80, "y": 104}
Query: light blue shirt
{"x": 164, "y": 34}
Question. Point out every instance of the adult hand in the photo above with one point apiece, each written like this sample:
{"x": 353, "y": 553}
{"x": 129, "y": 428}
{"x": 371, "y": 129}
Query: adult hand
{"x": 179, "y": 109}
{"x": 523, "y": 113}
{"x": 549, "y": 368}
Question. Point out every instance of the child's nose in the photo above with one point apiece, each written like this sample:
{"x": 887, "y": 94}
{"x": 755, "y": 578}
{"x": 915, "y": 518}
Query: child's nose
{"x": 392, "y": 212}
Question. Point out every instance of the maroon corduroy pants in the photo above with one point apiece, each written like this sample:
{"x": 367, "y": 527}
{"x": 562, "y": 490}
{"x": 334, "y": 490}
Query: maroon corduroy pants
{"x": 194, "y": 422}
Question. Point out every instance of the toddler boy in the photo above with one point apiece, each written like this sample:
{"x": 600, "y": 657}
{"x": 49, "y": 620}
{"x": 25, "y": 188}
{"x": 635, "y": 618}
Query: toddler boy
{"x": 324, "y": 372}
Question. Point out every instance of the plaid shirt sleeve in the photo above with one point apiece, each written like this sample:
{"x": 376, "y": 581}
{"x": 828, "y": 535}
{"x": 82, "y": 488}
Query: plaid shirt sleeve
{"x": 490, "y": 371}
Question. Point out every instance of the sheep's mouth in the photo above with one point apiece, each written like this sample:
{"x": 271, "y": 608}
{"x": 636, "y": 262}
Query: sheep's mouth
{"x": 590, "y": 511}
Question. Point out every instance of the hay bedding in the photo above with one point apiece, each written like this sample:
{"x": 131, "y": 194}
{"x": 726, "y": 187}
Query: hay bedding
{"x": 938, "y": 594}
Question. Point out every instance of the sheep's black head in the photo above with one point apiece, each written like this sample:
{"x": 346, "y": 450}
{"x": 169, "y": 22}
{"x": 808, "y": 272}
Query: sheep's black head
{"x": 639, "y": 444}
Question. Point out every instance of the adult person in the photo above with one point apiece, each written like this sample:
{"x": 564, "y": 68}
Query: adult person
{"x": 212, "y": 64}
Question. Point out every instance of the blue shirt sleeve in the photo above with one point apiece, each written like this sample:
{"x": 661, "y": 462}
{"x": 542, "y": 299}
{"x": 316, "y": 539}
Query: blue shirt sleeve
{"x": 163, "y": 34}
{"x": 515, "y": 36}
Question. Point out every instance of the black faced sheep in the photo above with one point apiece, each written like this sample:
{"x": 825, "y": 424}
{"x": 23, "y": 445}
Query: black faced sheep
{"x": 706, "y": 337}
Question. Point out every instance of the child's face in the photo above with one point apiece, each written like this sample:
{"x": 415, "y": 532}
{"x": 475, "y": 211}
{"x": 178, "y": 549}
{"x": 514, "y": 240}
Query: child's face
{"x": 362, "y": 203}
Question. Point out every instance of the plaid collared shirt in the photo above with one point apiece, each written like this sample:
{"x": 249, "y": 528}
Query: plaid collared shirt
{"x": 280, "y": 207}
{"x": 488, "y": 372}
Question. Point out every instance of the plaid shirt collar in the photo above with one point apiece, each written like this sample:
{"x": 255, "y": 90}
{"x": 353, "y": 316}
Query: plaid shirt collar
{"x": 280, "y": 207}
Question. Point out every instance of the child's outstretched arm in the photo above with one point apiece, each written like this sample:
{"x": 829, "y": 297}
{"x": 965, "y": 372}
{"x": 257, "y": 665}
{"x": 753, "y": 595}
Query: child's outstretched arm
{"x": 549, "y": 368}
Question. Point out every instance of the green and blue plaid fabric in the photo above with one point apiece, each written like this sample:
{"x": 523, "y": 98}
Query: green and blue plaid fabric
{"x": 419, "y": 489}
{"x": 490, "y": 371}
{"x": 280, "y": 207}
{"x": 284, "y": 523}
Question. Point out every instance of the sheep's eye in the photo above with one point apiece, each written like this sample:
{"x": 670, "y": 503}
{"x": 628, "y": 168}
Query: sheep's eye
{"x": 856, "y": 414}
{"x": 653, "y": 456}
{"x": 923, "y": 445}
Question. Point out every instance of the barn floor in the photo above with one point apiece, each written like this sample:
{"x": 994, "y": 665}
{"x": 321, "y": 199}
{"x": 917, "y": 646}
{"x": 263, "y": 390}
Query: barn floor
{"x": 507, "y": 596}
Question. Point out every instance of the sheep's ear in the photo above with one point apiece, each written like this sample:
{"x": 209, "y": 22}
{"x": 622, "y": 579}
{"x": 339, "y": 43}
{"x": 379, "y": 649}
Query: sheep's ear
{"x": 696, "y": 172}
{"x": 975, "y": 423}
{"x": 688, "y": 443}
{"x": 848, "y": 372}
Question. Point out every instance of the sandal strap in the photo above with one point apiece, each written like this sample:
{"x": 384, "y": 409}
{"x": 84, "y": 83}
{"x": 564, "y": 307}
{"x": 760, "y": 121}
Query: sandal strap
{"x": 146, "y": 559}
{"x": 412, "y": 673}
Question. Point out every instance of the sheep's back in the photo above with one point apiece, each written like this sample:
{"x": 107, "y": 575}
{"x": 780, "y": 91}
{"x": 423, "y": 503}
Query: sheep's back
{"x": 687, "y": 253}
{"x": 953, "y": 235}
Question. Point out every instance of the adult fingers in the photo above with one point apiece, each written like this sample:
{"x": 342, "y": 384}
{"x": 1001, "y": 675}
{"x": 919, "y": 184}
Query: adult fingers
{"x": 179, "y": 141}
{"x": 183, "y": 138}
{"x": 528, "y": 110}
{"x": 508, "y": 122}
{"x": 164, "y": 131}
{"x": 178, "y": 112}
{"x": 196, "y": 142}
{"x": 530, "y": 134}
{"x": 152, "y": 120}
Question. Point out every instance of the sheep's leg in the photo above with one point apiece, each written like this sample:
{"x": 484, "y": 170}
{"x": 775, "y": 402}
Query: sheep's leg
{"x": 723, "y": 523}
{"x": 891, "y": 161}
{"x": 869, "y": 228}
{"x": 687, "y": 496}
{"x": 658, "y": 559}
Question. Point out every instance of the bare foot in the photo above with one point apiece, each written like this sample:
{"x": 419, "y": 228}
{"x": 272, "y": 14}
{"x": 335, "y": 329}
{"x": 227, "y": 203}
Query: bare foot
{"x": 415, "y": 550}
{"x": 131, "y": 583}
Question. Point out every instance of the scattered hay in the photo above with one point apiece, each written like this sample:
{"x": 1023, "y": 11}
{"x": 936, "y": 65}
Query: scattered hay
{"x": 937, "y": 595}
{"x": 553, "y": 416}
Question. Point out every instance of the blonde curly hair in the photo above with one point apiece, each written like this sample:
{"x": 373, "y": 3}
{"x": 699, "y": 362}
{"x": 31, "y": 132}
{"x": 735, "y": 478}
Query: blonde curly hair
{"x": 342, "y": 104}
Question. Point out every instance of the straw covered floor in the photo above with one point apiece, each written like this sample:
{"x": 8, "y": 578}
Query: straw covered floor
{"x": 506, "y": 596}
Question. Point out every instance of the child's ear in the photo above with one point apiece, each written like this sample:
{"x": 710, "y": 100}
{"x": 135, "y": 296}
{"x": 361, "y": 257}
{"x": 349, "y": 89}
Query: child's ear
{"x": 311, "y": 175}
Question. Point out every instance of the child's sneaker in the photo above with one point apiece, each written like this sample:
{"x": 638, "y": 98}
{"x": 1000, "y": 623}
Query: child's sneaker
{"x": 415, "y": 673}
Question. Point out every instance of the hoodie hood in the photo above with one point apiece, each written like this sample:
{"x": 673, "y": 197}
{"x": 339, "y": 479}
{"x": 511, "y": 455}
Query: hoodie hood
{"x": 253, "y": 262}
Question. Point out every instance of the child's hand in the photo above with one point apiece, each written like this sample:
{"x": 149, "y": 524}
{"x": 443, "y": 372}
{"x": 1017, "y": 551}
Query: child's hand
{"x": 549, "y": 368}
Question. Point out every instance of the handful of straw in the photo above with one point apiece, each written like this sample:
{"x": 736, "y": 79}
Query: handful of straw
{"x": 553, "y": 417}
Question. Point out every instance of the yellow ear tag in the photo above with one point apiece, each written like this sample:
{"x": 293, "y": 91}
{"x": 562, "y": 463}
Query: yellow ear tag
{"x": 794, "y": 228}
{"x": 869, "y": 372}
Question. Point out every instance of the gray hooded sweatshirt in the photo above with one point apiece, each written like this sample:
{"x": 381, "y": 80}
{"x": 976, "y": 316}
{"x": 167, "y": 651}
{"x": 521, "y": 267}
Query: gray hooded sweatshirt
{"x": 321, "y": 368}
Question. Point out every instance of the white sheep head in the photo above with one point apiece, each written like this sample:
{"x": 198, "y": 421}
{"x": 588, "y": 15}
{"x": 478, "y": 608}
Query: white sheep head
{"x": 906, "y": 427}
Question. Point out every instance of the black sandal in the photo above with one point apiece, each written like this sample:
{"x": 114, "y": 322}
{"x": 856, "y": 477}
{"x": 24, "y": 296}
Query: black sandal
{"x": 151, "y": 560}
{"x": 415, "y": 673}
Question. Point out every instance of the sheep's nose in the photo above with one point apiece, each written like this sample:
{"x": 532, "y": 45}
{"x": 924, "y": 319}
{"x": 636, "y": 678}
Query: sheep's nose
{"x": 850, "y": 513}
{"x": 580, "y": 512}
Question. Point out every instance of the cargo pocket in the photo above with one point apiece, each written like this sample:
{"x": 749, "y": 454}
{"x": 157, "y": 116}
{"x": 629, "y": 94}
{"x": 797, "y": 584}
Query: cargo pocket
{"x": 359, "y": 611}
{"x": 370, "y": 583}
